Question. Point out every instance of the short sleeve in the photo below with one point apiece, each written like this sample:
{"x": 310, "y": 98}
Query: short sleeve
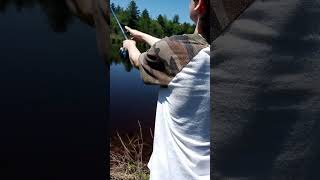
{"x": 152, "y": 67}
{"x": 160, "y": 64}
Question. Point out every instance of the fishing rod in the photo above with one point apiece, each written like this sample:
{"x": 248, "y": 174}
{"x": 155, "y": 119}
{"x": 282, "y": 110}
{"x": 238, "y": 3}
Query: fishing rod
{"x": 123, "y": 52}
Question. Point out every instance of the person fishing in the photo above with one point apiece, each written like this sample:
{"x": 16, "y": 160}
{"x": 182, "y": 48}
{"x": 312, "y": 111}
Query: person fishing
{"x": 180, "y": 65}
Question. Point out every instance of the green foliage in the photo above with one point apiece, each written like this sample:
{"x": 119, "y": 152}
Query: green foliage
{"x": 176, "y": 19}
{"x": 162, "y": 20}
{"x": 144, "y": 21}
{"x": 159, "y": 27}
{"x": 133, "y": 14}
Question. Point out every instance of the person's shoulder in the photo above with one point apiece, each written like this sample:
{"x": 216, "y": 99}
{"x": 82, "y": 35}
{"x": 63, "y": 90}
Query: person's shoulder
{"x": 189, "y": 39}
{"x": 179, "y": 41}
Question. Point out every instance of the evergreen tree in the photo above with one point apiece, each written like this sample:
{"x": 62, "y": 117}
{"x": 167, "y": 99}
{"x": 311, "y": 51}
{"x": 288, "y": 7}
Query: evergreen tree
{"x": 133, "y": 14}
{"x": 176, "y": 19}
{"x": 118, "y": 9}
{"x": 113, "y": 7}
{"x": 157, "y": 29}
{"x": 144, "y": 21}
{"x": 161, "y": 20}
{"x": 145, "y": 14}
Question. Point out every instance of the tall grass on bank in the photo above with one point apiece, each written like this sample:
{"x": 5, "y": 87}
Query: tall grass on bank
{"x": 128, "y": 157}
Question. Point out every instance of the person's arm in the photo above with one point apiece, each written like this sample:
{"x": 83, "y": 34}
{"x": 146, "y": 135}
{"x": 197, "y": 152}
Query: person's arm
{"x": 150, "y": 39}
{"x": 133, "y": 51}
{"x": 153, "y": 66}
{"x": 165, "y": 59}
{"x": 141, "y": 36}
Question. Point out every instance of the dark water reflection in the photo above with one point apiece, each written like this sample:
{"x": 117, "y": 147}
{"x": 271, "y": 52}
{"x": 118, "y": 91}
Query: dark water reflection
{"x": 130, "y": 99}
{"x": 53, "y": 75}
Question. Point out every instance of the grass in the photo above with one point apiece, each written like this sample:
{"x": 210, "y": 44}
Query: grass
{"x": 129, "y": 157}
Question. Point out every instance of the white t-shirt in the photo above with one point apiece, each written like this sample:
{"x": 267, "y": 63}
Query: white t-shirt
{"x": 181, "y": 148}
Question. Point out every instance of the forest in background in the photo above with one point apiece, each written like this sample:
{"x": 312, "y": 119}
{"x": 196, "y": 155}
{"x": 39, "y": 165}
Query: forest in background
{"x": 131, "y": 16}
{"x": 141, "y": 20}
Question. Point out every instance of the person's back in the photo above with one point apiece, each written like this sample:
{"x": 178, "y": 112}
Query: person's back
{"x": 181, "y": 148}
{"x": 265, "y": 93}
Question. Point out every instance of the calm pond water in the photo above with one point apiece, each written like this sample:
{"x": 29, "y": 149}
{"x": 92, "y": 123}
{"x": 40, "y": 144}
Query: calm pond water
{"x": 54, "y": 90}
{"x": 54, "y": 104}
{"x": 130, "y": 99}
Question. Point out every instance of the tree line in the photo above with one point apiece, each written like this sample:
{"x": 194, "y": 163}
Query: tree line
{"x": 158, "y": 27}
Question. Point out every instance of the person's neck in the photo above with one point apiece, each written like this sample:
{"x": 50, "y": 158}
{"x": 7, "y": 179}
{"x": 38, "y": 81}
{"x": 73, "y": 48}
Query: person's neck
{"x": 198, "y": 29}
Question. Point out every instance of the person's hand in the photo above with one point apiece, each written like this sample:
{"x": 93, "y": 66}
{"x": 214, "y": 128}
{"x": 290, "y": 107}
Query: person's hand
{"x": 128, "y": 44}
{"x": 133, "y": 51}
{"x": 136, "y": 35}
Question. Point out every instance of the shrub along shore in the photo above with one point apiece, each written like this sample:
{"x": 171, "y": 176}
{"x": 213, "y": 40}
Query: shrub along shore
{"x": 129, "y": 155}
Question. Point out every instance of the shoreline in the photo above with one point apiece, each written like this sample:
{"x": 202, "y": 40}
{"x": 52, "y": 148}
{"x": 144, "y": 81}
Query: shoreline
{"x": 130, "y": 153}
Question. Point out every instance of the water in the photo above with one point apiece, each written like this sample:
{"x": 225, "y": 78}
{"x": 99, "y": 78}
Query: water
{"x": 54, "y": 91}
{"x": 53, "y": 107}
{"x": 130, "y": 99}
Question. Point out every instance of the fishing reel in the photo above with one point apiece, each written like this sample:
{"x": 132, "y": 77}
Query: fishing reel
{"x": 123, "y": 53}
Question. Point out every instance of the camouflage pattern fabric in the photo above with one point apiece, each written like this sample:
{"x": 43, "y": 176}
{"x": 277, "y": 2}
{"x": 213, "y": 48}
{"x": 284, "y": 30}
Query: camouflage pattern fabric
{"x": 166, "y": 58}
{"x": 224, "y": 12}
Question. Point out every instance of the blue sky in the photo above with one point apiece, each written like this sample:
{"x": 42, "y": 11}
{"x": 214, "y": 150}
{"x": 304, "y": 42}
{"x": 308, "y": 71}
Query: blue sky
{"x": 166, "y": 7}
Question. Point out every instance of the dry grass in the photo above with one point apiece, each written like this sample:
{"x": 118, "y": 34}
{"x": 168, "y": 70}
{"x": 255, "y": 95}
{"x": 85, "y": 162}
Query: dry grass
{"x": 128, "y": 157}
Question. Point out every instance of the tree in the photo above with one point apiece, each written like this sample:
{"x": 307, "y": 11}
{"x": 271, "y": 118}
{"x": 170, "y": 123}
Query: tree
{"x": 144, "y": 21}
{"x": 133, "y": 14}
{"x": 113, "y": 7}
{"x": 118, "y": 9}
{"x": 145, "y": 14}
{"x": 157, "y": 29}
{"x": 161, "y": 20}
{"x": 176, "y": 19}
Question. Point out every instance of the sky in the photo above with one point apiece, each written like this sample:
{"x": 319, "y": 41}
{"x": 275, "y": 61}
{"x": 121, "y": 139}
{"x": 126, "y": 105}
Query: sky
{"x": 165, "y": 7}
